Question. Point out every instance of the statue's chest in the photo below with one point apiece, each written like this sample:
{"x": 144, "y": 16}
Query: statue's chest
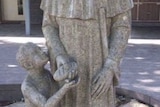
{"x": 44, "y": 87}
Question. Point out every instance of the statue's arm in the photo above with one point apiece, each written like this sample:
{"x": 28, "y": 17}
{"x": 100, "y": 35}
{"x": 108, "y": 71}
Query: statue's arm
{"x": 57, "y": 96}
{"x": 55, "y": 99}
{"x": 120, "y": 32}
{"x": 51, "y": 33}
{"x": 109, "y": 74}
{"x": 50, "y": 30}
{"x": 30, "y": 93}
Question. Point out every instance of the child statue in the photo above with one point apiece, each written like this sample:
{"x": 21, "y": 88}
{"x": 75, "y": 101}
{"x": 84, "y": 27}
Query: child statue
{"x": 39, "y": 88}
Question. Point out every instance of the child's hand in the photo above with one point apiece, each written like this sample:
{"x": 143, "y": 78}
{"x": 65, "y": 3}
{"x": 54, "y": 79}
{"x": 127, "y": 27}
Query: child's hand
{"x": 66, "y": 71}
{"x": 72, "y": 83}
{"x": 72, "y": 75}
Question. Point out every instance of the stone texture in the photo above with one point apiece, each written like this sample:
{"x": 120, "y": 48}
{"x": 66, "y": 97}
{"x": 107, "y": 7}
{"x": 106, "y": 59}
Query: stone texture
{"x": 84, "y": 9}
{"x": 134, "y": 103}
{"x": 147, "y": 37}
{"x": 95, "y": 41}
{"x": 18, "y": 104}
{"x": 38, "y": 88}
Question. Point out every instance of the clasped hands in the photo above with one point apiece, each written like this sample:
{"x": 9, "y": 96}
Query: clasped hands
{"x": 66, "y": 70}
{"x": 101, "y": 82}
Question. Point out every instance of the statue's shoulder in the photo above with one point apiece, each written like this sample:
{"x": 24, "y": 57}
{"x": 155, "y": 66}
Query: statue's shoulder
{"x": 115, "y": 7}
{"x": 44, "y": 3}
{"x": 26, "y": 84}
{"x": 127, "y": 3}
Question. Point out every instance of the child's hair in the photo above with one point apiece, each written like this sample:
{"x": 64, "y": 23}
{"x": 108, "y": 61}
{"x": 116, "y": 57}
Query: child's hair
{"x": 25, "y": 55}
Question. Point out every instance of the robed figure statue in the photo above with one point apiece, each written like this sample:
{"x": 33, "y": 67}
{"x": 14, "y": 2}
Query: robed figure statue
{"x": 93, "y": 34}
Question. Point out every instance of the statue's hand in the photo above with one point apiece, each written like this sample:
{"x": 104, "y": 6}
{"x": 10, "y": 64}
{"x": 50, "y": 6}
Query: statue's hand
{"x": 67, "y": 72}
{"x": 62, "y": 59}
{"x": 67, "y": 68}
{"x": 102, "y": 81}
{"x": 72, "y": 83}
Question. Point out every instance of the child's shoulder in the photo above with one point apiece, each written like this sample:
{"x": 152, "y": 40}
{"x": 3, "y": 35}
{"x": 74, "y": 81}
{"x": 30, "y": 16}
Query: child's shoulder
{"x": 25, "y": 86}
{"x": 27, "y": 83}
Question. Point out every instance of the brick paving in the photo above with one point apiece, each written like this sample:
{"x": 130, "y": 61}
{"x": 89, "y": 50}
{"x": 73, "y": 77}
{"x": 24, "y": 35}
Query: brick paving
{"x": 141, "y": 63}
{"x": 18, "y": 30}
{"x": 140, "y": 66}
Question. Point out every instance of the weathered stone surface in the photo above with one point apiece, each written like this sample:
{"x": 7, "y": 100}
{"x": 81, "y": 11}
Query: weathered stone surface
{"x": 18, "y": 104}
{"x": 39, "y": 89}
{"x": 134, "y": 103}
{"x": 85, "y": 9}
{"x": 93, "y": 34}
{"x": 89, "y": 33}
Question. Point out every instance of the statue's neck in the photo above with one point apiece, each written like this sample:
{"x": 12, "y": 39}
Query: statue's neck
{"x": 37, "y": 72}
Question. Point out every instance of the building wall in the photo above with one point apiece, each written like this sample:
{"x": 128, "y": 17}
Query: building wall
{"x": 146, "y": 11}
{"x": 0, "y": 12}
{"x": 35, "y": 12}
{"x": 143, "y": 11}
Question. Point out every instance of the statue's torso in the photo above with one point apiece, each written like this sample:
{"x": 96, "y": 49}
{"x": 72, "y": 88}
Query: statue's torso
{"x": 85, "y": 9}
{"x": 82, "y": 40}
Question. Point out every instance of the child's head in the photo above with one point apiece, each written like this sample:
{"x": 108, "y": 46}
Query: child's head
{"x": 30, "y": 56}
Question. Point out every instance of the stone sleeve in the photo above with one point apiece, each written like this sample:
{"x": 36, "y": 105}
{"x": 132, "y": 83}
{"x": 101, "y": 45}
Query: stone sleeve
{"x": 120, "y": 31}
{"x": 51, "y": 33}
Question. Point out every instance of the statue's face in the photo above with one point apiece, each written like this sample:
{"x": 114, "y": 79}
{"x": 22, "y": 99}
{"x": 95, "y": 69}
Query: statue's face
{"x": 40, "y": 57}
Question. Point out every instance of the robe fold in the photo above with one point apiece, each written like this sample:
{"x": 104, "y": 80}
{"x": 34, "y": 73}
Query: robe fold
{"x": 80, "y": 33}
{"x": 84, "y": 9}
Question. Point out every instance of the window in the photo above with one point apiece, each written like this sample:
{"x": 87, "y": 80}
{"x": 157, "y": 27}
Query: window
{"x": 20, "y": 7}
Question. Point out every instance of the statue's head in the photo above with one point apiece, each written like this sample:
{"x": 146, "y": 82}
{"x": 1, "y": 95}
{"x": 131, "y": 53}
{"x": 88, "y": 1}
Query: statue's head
{"x": 30, "y": 56}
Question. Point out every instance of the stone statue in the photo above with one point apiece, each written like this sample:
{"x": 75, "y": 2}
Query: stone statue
{"x": 93, "y": 34}
{"x": 39, "y": 88}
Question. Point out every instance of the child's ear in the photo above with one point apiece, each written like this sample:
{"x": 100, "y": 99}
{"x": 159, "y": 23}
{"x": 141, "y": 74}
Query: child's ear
{"x": 28, "y": 65}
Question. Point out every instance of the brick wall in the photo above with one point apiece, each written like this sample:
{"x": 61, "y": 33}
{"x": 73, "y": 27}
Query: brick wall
{"x": 36, "y": 12}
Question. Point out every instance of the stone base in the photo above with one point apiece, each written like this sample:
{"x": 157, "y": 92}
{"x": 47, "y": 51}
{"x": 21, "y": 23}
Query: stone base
{"x": 139, "y": 96}
{"x": 134, "y": 103}
{"x": 18, "y": 104}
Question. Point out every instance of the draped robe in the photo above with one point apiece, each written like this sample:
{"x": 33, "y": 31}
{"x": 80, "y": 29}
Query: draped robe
{"x": 85, "y": 9}
{"x": 79, "y": 31}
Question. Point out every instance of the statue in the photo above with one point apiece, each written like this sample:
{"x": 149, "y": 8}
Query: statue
{"x": 93, "y": 34}
{"x": 39, "y": 88}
